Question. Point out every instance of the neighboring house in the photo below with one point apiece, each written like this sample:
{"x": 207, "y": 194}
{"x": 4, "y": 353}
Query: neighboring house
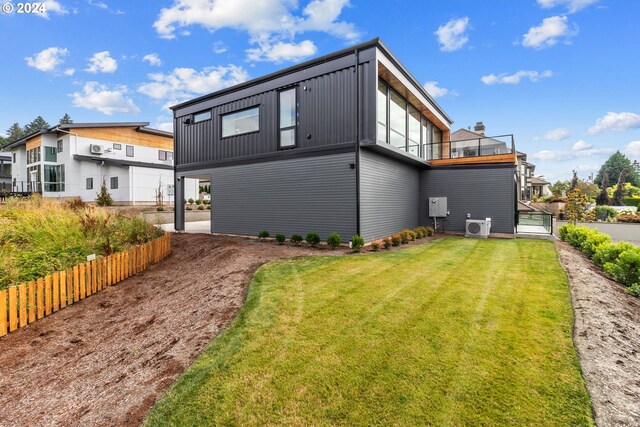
{"x": 5, "y": 172}
{"x": 72, "y": 160}
{"x": 349, "y": 143}
{"x": 540, "y": 187}
{"x": 465, "y": 143}
{"x": 524, "y": 174}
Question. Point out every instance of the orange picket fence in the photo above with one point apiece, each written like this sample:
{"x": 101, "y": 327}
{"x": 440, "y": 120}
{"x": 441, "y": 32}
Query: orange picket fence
{"x": 25, "y": 303}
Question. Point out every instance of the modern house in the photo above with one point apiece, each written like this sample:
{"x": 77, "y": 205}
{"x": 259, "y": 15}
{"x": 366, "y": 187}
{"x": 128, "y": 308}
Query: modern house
{"x": 73, "y": 160}
{"x": 540, "y": 187}
{"x": 349, "y": 143}
{"x": 524, "y": 175}
{"x": 5, "y": 172}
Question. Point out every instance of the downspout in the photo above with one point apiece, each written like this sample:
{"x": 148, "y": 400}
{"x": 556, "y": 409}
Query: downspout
{"x": 357, "y": 70}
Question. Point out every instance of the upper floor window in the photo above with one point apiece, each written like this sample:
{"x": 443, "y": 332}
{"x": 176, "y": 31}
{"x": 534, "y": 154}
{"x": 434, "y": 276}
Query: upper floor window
{"x": 288, "y": 117}
{"x": 202, "y": 116}
{"x": 241, "y": 122}
{"x": 397, "y": 121}
{"x": 129, "y": 150}
{"x": 14, "y": 157}
{"x": 382, "y": 111}
{"x": 50, "y": 154}
{"x": 165, "y": 155}
{"x": 117, "y": 146}
{"x": 59, "y": 145}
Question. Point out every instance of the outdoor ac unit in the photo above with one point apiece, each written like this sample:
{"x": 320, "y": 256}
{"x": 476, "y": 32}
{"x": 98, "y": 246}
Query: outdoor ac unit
{"x": 478, "y": 228}
{"x": 96, "y": 149}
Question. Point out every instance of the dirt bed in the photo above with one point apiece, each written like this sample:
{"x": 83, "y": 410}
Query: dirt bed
{"x": 105, "y": 361}
{"x": 607, "y": 336}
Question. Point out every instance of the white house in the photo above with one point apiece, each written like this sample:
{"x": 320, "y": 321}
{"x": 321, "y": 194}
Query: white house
{"x": 73, "y": 160}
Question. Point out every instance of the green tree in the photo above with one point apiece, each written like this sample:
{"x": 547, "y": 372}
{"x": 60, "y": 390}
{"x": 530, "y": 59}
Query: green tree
{"x": 14, "y": 133}
{"x": 603, "y": 198}
{"x": 588, "y": 189}
{"x": 66, "y": 119}
{"x": 559, "y": 186}
{"x": 3, "y": 141}
{"x": 576, "y": 207}
{"x": 574, "y": 181}
{"x": 37, "y": 124}
{"x": 104, "y": 198}
{"x": 618, "y": 195}
{"x": 614, "y": 165}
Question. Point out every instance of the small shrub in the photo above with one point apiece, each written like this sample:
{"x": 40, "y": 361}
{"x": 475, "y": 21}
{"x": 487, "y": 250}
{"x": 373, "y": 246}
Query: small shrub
{"x": 198, "y": 202}
{"x": 626, "y": 268}
{"x": 313, "y": 238}
{"x": 609, "y": 252}
{"x": 200, "y": 207}
{"x": 404, "y": 237}
{"x": 160, "y": 209}
{"x": 386, "y": 243}
{"x": 296, "y": 238}
{"x": 188, "y": 208}
{"x": 280, "y": 238}
{"x": 634, "y": 290}
{"x": 263, "y": 234}
{"x": 76, "y": 204}
{"x": 396, "y": 239}
{"x": 411, "y": 236}
{"x": 104, "y": 198}
{"x": 209, "y": 207}
{"x": 357, "y": 242}
{"x": 190, "y": 201}
{"x": 604, "y": 213}
{"x": 593, "y": 239}
{"x": 628, "y": 217}
{"x": 429, "y": 231}
{"x": 334, "y": 240}
{"x": 206, "y": 202}
{"x": 375, "y": 246}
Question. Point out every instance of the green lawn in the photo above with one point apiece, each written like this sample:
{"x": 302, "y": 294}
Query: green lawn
{"x": 452, "y": 332}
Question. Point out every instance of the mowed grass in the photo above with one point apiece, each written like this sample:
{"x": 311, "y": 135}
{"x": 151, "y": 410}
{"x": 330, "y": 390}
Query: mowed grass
{"x": 452, "y": 332}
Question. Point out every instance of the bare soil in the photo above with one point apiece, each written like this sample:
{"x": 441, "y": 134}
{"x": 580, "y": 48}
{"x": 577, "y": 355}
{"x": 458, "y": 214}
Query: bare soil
{"x": 105, "y": 360}
{"x": 607, "y": 336}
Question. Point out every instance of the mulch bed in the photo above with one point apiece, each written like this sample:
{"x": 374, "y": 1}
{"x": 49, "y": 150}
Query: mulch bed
{"x": 607, "y": 336}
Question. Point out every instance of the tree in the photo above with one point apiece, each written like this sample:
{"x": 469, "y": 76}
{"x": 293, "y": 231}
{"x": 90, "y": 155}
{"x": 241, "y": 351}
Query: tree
{"x": 14, "y": 133}
{"x": 603, "y": 198}
{"x": 66, "y": 119}
{"x": 574, "y": 180}
{"x": 588, "y": 189}
{"x": 614, "y": 165}
{"x": 104, "y": 198}
{"x": 618, "y": 195}
{"x": 576, "y": 207}
{"x": 559, "y": 186}
{"x": 37, "y": 124}
{"x": 3, "y": 141}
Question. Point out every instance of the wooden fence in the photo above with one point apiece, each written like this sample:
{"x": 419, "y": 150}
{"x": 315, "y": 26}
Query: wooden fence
{"x": 23, "y": 304}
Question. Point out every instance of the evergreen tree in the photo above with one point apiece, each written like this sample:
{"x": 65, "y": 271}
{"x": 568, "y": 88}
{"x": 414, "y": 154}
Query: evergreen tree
{"x": 14, "y": 133}
{"x": 66, "y": 119}
{"x": 574, "y": 181}
{"x": 618, "y": 195}
{"x": 3, "y": 141}
{"x": 104, "y": 198}
{"x": 603, "y": 198}
{"x": 37, "y": 124}
{"x": 614, "y": 165}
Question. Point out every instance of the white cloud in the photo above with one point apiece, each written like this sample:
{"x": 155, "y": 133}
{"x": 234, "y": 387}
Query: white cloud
{"x": 47, "y": 60}
{"x": 571, "y": 5}
{"x": 219, "y": 47}
{"x": 452, "y": 35}
{"x": 512, "y": 79}
{"x": 153, "y": 59}
{"x": 98, "y": 97}
{"x": 557, "y": 134}
{"x": 436, "y": 91}
{"x": 270, "y": 21}
{"x": 633, "y": 149}
{"x": 582, "y": 145}
{"x": 616, "y": 122}
{"x": 281, "y": 51}
{"x": 185, "y": 83}
{"x": 52, "y": 6}
{"x": 549, "y": 32}
{"x": 98, "y": 4}
{"x": 580, "y": 149}
{"x": 165, "y": 126}
{"x": 69, "y": 71}
{"x": 101, "y": 62}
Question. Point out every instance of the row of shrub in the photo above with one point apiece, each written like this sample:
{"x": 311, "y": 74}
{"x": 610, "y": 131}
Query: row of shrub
{"x": 404, "y": 237}
{"x": 197, "y": 202}
{"x": 200, "y": 208}
{"x": 620, "y": 261}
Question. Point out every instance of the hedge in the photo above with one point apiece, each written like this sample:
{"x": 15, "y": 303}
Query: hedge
{"x": 631, "y": 201}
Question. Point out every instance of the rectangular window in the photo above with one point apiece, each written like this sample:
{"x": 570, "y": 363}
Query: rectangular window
{"x": 89, "y": 183}
{"x": 114, "y": 182}
{"x": 129, "y": 150}
{"x": 14, "y": 157}
{"x": 426, "y": 140}
{"x": 241, "y": 122}
{"x": 202, "y": 116}
{"x": 288, "y": 118}
{"x": 50, "y": 154}
{"x": 398, "y": 121}
{"x": 54, "y": 178}
{"x": 165, "y": 155}
{"x": 117, "y": 146}
{"x": 437, "y": 143}
{"x": 59, "y": 145}
{"x": 414, "y": 131}
{"x": 382, "y": 111}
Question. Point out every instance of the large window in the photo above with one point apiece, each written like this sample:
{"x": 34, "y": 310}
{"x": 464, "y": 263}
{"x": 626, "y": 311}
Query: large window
{"x": 241, "y": 122}
{"x": 54, "y": 178}
{"x": 382, "y": 111}
{"x": 288, "y": 118}
{"x": 33, "y": 155}
{"x": 426, "y": 139}
{"x": 397, "y": 121}
{"x": 414, "y": 132}
{"x": 50, "y": 154}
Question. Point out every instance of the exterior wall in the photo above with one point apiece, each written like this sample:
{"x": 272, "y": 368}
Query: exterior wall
{"x": 293, "y": 196}
{"x": 19, "y": 168}
{"x": 125, "y": 135}
{"x": 389, "y": 195}
{"x": 483, "y": 192}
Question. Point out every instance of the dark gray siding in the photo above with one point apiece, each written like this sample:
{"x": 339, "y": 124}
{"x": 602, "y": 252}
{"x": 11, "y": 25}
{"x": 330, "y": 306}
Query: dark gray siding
{"x": 178, "y": 215}
{"x": 286, "y": 196}
{"x": 389, "y": 195}
{"x": 483, "y": 192}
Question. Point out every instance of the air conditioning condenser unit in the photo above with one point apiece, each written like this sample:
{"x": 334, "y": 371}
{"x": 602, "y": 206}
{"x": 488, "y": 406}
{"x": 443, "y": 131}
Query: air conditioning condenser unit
{"x": 96, "y": 149}
{"x": 478, "y": 228}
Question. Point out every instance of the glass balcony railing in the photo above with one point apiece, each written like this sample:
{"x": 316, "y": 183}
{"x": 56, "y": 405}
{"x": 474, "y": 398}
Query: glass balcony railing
{"x": 476, "y": 147}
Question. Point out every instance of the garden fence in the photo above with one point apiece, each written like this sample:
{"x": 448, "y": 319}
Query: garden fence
{"x": 26, "y": 303}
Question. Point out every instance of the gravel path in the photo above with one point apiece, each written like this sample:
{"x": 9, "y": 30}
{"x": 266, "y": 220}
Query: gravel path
{"x": 607, "y": 336}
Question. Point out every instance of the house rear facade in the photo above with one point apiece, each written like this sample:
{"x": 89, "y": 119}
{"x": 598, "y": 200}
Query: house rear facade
{"x": 348, "y": 143}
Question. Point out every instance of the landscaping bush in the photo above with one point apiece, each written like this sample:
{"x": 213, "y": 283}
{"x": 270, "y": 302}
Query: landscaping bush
{"x": 334, "y": 240}
{"x": 76, "y": 204}
{"x": 609, "y": 252}
{"x": 418, "y": 233}
{"x": 280, "y": 238}
{"x": 190, "y": 201}
{"x": 198, "y": 202}
{"x": 626, "y": 268}
{"x": 160, "y": 209}
{"x": 263, "y": 234}
{"x": 188, "y": 208}
{"x": 634, "y": 289}
{"x": 209, "y": 207}
{"x": 357, "y": 242}
{"x": 429, "y": 231}
{"x": 313, "y": 238}
{"x": 411, "y": 235}
{"x": 604, "y": 213}
{"x": 375, "y": 246}
{"x": 404, "y": 237}
{"x": 386, "y": 243}
{"x": 628, "y": 217}
{"x": 200, "y": 207}
{"x": 592, "y": 241}
{"x": 632, "y": 201}
{"x": 396, "y": 239}
{"x": 104, "y": 198}
{"x": 296, "y": 238}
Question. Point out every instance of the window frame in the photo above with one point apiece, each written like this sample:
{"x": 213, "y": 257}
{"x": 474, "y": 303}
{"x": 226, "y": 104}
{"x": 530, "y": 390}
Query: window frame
{"x": 223, "y": 115}
{"x": 127, "y": 151}
{"x": 59, "y": 145}
{"x": 168, "y": 155}
{"x": 111, "y": 181}
{"x": 87, "y": 181}
{"x": 193, "y": 116}
{"x": 117, "y": 146}
{"x": 295, "y": 125}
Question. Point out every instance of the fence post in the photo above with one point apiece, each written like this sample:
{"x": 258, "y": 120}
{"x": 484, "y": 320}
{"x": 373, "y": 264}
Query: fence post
{"x": 76, "y": 283}
{"x": 56, "y": 291}
{"x": 63, "y": 289}
{"x": 22, "y": 289}
{"x": 32, "y": 300}
{"x": 3, "y": 312}
{"x": 48, "y": 295}
{"x": 40, "y": 298}
{"x": 13, "y": 308}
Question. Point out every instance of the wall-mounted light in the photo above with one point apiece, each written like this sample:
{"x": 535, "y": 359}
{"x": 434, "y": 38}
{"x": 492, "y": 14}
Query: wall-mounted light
{"x": 187, "y": 121}
{"x": 352, "y": 165}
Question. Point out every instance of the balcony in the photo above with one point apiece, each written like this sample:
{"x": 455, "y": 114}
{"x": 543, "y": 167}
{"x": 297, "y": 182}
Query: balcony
{"x": 487, "y": 149}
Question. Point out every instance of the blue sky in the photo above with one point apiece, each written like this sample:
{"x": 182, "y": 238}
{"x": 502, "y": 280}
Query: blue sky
{"x": 561, "y": 75}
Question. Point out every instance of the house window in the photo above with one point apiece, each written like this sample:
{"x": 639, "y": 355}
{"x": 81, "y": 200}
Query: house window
{"x": 398, "y": 121}
{"x": 202, "y": 116}
{"x": 114, "y": 182}
{"x": 414, "y": 131}
{"x": 426, "y": 140}
{"x": 129, "y": 150}
{"x": 288, "y": 118}
{"x": 165, "y": 155}
{"x": 59, "y": 145}
{"x": 382, "y": 111}
{"x": 50, "y": 154}
{"x": 54, "y": 178}
{"x": 33, "y": 155}
{"x": 241, "y": 122}
{"x": 437, "y": 143}
{"x": 89, "y": 183}
{"x": 117, "y": 146}
{"x": 14, "y": 157}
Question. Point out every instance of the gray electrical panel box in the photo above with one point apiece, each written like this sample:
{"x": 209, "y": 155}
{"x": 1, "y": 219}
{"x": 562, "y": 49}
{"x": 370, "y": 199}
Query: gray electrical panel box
{"x": 437, "y": 207}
